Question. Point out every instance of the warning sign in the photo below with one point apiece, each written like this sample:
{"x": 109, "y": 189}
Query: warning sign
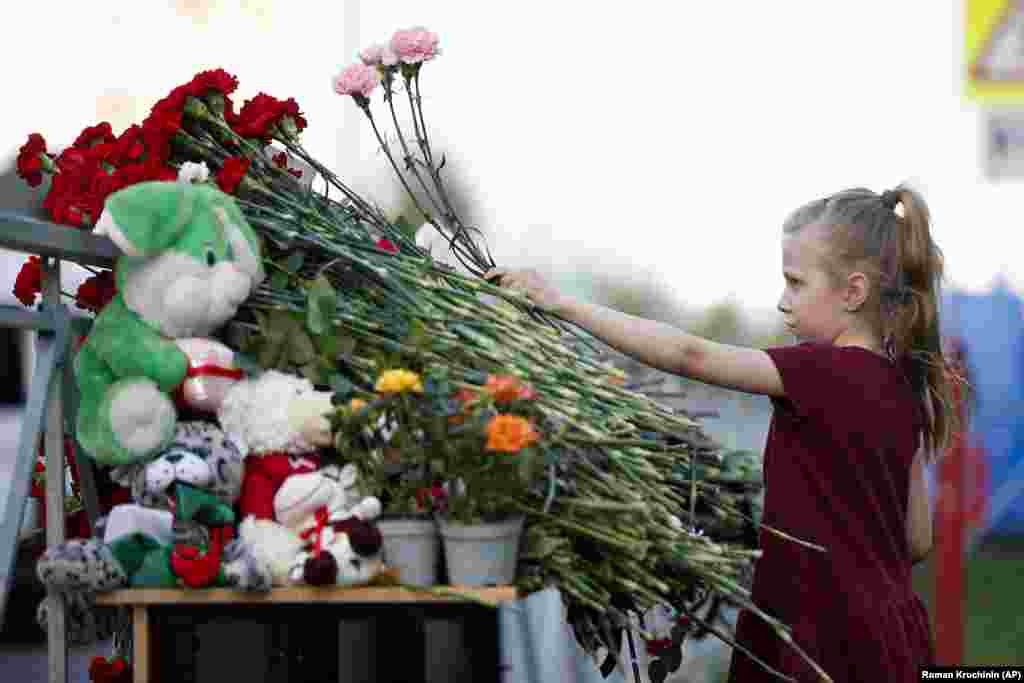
{"x": 994, "y": 51}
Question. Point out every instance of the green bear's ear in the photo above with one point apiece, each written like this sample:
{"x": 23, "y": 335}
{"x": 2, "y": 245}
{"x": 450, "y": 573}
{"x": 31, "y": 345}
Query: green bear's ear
{"x": 146, "y": 218}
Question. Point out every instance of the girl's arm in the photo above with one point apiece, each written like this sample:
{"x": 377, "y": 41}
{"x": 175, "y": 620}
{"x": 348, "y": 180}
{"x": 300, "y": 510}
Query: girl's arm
{"x": 919, "y": 515}
{"x": 669, "y": 349}
{"x": 652, "y": 343}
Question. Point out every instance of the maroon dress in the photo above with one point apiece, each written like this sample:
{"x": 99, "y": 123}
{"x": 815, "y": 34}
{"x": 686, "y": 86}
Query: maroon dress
{"x": 836, "y": 471}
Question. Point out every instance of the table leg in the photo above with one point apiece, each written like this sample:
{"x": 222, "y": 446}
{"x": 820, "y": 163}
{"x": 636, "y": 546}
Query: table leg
{"x": 142, "y": 646}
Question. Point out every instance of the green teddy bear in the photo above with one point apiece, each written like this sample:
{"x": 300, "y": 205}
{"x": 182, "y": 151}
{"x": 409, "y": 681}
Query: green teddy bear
{"x": 190, "y": 260}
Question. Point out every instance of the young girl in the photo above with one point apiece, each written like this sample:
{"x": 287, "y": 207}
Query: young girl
{"x": 860, "y": 404}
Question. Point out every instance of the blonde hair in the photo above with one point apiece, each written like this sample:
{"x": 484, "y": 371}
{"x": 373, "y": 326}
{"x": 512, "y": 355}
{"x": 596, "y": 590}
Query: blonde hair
{"x": 864, "y": 232}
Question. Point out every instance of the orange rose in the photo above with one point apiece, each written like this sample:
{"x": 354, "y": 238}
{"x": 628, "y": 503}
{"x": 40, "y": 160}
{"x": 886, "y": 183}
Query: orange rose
{"x": 506, "y": 388}
{"x": 509, "y": 434}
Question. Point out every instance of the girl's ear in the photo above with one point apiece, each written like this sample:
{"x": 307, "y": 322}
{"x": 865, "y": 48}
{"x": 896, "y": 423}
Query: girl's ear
{"x": 857, "y": 290}
{"x": 147, "y": 218}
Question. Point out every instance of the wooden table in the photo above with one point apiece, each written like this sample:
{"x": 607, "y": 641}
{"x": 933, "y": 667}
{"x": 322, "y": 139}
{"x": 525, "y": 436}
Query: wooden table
{"x": 303, "y": 616}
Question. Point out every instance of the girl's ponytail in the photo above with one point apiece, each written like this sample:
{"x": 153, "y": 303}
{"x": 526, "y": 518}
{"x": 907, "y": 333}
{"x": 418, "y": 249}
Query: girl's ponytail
{"x": 910, "y": 308}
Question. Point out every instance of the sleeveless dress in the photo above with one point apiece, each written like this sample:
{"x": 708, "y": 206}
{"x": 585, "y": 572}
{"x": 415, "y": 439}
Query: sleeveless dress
{"x": 836, "y": 472}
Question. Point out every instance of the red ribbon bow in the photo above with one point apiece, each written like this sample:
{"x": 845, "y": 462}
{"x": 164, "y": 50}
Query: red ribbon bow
{"x": 317, "y": 530}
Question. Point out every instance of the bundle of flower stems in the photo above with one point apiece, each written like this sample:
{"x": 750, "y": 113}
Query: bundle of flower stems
{"x": 613, "y": 524}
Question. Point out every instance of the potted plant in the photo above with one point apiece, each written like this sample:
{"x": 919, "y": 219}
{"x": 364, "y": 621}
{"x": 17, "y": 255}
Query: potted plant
{"x": 458, "y": 452}
{"x": 382, "y": 438}
{"x": 489, "y": 462}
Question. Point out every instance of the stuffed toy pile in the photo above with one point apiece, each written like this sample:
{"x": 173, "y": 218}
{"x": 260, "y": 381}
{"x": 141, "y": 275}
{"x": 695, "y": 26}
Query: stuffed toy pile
{"x": 251, "y": 456}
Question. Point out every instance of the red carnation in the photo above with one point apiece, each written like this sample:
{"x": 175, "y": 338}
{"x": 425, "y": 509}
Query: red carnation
{"x": 96, "y": 292}
{"x": 231, "y": 173}
{"x": 164, "y": 123}
{"x": 38, "y": 490}
{"x": 29, "y": 281}
{"x": 260, "y": 114}
{"x": 30, "y": 166}
{"x": 75, "y": 197}
{"x": 130, "y": 147}
{"x": 387, "y": 245}
{"x": 99, "y": 669}
{"x": 95, "y": 135}
{"x": 217, "y": 80}
{"x": 281, "y": 161}
{"x": 175, "y": 100}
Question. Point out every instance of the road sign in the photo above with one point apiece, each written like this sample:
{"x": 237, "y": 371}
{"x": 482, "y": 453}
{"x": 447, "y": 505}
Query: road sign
{"x": 994, "y": 51}
{"x": 1002, "y": 144}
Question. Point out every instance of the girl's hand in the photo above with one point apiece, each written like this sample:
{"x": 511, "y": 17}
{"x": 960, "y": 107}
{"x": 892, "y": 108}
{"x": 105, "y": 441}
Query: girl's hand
{"x": 531, "y": 283}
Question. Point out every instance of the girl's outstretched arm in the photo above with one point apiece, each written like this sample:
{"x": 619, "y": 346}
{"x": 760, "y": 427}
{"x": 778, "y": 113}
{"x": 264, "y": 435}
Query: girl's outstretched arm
{"x": 653, "y": 343}
{"x": 670, "y": 349}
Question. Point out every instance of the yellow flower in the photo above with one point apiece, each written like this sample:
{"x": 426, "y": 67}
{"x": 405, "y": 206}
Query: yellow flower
{"x": 509, "y": 434}
{"x": 398, "y": 381}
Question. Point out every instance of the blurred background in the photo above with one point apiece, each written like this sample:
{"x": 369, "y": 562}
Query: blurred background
{"x": 643, "y": 155}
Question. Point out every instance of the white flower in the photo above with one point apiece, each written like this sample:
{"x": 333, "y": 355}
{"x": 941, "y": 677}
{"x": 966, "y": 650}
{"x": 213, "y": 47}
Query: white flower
{"x": 191, "y": 172}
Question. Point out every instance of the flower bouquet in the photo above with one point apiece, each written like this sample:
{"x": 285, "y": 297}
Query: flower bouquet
{"x": 601, "y": 472}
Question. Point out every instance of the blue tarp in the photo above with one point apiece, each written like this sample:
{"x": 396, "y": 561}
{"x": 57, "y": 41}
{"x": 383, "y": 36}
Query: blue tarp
{"x": 991, "y": 329}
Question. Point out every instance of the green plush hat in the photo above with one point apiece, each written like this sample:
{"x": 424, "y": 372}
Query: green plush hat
{"x": 148, "y": 219}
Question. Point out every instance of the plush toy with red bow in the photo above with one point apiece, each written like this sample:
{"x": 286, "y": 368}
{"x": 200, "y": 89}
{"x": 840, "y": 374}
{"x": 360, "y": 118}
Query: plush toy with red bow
{"x": 280, "y": 422}
{"x": 324, "y": 533}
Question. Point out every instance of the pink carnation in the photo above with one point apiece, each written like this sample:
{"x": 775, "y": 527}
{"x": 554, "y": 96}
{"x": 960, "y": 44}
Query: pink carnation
{"x": 357, "y": 80}
{"x": 378, "y": 54}
{"x": 415, "y": 45}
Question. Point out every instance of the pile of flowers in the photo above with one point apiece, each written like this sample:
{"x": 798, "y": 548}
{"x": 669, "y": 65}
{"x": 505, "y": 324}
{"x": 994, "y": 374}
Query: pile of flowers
{"x": 478, "y": 389}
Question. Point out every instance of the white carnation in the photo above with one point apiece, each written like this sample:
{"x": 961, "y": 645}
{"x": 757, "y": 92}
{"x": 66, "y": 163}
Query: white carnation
{"x": 191, "y": 172}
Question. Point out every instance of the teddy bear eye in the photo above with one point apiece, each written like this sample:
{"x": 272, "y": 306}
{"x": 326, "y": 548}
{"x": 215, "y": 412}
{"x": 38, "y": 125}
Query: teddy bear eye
{"x": 211, "y": 257}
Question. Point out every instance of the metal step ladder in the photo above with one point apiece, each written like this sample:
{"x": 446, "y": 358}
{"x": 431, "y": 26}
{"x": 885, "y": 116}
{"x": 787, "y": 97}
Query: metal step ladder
{"x": 51, "y": 395}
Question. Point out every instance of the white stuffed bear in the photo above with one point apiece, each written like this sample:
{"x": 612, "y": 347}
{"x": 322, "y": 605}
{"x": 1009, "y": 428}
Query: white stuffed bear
{"x": 324, "y": 533}
{"x": 279, "y": 421}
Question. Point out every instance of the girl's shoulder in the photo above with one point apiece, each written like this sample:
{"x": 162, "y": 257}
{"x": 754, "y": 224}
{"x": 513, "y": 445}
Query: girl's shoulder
{"x": 821, "y": 378}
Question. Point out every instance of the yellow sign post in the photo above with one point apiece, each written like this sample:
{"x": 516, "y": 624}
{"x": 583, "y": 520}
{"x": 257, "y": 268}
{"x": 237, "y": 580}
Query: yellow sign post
{"x": 994, "y": 51}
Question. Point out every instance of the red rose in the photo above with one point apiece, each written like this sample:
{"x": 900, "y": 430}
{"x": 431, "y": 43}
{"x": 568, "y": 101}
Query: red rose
{"x": 96, "y": 292}
{"x": 387, "y": 245}
{"x": 231, "y": 174}
{"x": 29, "y": 164}
{"x": 29, "y": 281}
{"x": 94, "y": 135}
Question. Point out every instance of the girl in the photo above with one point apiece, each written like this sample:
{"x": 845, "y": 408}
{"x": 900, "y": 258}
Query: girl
{"x": 860, "y": 404}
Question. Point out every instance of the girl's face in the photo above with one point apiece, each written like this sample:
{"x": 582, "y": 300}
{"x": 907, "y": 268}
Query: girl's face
{"x": 813, "y": 309}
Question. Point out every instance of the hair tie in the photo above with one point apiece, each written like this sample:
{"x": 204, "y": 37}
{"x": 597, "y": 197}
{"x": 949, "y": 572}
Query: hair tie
{"x": 890, "y": 198}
